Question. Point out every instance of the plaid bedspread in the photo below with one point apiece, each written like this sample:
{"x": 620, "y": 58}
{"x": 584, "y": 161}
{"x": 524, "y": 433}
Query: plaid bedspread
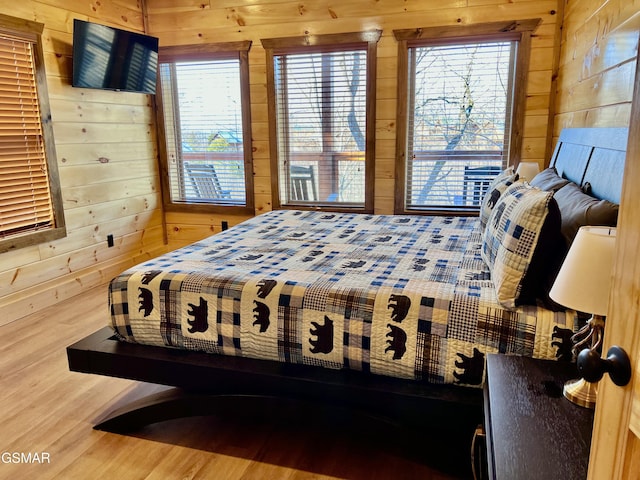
{"x": 404, "y": 296}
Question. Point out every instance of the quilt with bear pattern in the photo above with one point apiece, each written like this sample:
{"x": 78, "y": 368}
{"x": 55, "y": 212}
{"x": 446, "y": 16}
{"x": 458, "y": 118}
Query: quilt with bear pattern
{"x": 402, "y": 296}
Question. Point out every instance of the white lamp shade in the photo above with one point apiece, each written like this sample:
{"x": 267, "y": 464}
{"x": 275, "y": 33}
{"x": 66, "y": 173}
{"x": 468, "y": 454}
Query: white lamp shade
{"x": 584, "y": 280}
{"x": 528, "y": 170}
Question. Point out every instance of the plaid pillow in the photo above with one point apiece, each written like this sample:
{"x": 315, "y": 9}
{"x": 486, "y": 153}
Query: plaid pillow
{"x": 511, "y": 236}
{"x": 499, "y": 185}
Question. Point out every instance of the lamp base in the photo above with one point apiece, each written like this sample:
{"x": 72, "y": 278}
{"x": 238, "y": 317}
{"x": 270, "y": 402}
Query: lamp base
{"x": 581, "y": 392}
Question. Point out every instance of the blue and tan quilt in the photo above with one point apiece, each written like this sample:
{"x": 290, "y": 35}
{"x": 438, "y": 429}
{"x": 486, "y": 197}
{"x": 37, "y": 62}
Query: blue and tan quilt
{"x": 403, "y": 296}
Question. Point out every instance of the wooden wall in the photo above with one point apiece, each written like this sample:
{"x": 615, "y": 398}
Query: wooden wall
{"x": 106, "y": 149}
{"x": 597, "y": 63}
{"x": 595, "y": 88}
{"x": 181, "y": 22}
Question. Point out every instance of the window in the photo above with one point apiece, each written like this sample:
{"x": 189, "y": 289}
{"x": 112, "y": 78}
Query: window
{"x": 462, "y": 105}
{"x": 206, "y": 127}
{"x": 30, "y": 201}
{"x": 322, "y": 99}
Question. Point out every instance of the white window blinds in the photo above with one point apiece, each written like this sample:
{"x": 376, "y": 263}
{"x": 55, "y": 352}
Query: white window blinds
{"x": 460, "y": 106}
{"x": 321, "y": 100}
{"x": 25, "y": 200}
{"x": 203, "y": 122}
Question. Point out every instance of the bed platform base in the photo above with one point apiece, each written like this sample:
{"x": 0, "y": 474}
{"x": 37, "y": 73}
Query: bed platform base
{"x": 203, "y": 381}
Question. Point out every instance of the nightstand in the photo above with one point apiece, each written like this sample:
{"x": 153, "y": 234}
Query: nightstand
{"x": 532, "y": 431}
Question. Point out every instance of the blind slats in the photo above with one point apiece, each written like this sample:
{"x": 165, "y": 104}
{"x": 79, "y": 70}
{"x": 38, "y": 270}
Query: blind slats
{"x": 26, "y": 226}
{"x": 36, "y": 194}
{"x": 459, "y": 122}
{"x": 25, "y": 202}
{"x": 22, "y": 214}
{"x": 203, "y": 127}
{"x": 10, "y": 99}
{"x": 38, "y": 204}
{"x": 321, "y": 103}
{"x": 24, "y": 191}
{"x": 15, "y": 154}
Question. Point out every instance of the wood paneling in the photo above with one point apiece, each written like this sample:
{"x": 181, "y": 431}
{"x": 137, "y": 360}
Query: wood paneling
{"x": 597, "y": 63}
{"x": 181, "y": 22}
{"x": 595, "y": 88}
{"x": 107, "y": 160}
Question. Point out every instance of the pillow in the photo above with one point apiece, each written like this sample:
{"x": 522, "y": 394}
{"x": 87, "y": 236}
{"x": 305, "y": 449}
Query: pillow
{"x": 548, "y": 256}
{"x": 549, "y": 180}
{"x": 578, "y": 209}
{"x": 499, "y": 185}
{"x": 511, "y": 237}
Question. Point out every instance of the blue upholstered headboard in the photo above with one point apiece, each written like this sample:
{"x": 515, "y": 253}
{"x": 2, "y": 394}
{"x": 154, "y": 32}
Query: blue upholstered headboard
{"x": 595, "y": 156}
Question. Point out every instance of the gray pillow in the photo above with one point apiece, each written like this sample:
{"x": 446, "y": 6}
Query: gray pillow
{"x": 578, "y": 209}
{"x": 549, "y": 180}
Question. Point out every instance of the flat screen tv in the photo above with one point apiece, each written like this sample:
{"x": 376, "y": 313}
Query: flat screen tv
{"x": 113, "y": 59}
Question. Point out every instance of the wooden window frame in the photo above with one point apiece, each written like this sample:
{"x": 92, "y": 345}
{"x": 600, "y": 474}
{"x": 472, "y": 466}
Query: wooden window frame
{"x": 31, "y": 32}
{"x": 211, "y": 51}
{"x": 518, "y": 30}
{"x": 324, "y": 43}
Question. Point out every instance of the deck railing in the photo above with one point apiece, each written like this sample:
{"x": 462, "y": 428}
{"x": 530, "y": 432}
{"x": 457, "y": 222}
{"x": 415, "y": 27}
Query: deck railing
{"x": 434, "y": 178}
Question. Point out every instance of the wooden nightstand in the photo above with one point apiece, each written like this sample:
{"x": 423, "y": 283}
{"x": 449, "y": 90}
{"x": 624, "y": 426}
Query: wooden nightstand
{"x": 532, "y": 431}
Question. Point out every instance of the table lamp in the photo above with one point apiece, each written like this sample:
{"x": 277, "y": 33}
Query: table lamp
{"x": 583, "y": 284}
{"x": 527, "y": 170}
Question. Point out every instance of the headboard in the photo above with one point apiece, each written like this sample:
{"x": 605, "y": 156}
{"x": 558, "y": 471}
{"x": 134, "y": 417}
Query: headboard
{"x": 595, "y": 156}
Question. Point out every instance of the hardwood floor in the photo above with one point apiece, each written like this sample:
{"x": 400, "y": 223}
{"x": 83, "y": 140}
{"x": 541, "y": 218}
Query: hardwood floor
{"x": 47, "y": 410}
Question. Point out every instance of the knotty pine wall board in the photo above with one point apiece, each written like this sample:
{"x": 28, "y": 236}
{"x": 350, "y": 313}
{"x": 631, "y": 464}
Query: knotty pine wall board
{"x": 56, "y": 265}
{"x": 107, "y": 159}
{"x": 598, "y": 50}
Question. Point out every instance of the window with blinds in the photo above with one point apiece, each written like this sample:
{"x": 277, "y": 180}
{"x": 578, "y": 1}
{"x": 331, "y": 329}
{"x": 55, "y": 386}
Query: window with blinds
{"x": 322, "y": 100}
{"x": 205, "y": 129}
{"x": 459, "y": 121}
{"x": 460, "y": 112}
{"x": 29, "y": 207}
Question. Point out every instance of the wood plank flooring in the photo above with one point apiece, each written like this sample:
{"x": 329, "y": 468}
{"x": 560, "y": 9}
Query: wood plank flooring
{"x": 45, "y": 408}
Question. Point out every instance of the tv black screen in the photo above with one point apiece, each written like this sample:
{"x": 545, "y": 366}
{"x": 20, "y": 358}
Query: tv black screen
{"x": 113, "y": 59}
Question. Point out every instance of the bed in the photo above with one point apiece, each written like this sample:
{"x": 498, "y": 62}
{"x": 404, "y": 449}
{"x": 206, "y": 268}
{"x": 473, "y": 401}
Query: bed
{"x": 389, "y": 315}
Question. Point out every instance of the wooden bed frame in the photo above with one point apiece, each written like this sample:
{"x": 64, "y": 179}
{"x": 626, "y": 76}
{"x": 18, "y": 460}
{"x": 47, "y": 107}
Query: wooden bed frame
{"x": 593, "y": 155}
